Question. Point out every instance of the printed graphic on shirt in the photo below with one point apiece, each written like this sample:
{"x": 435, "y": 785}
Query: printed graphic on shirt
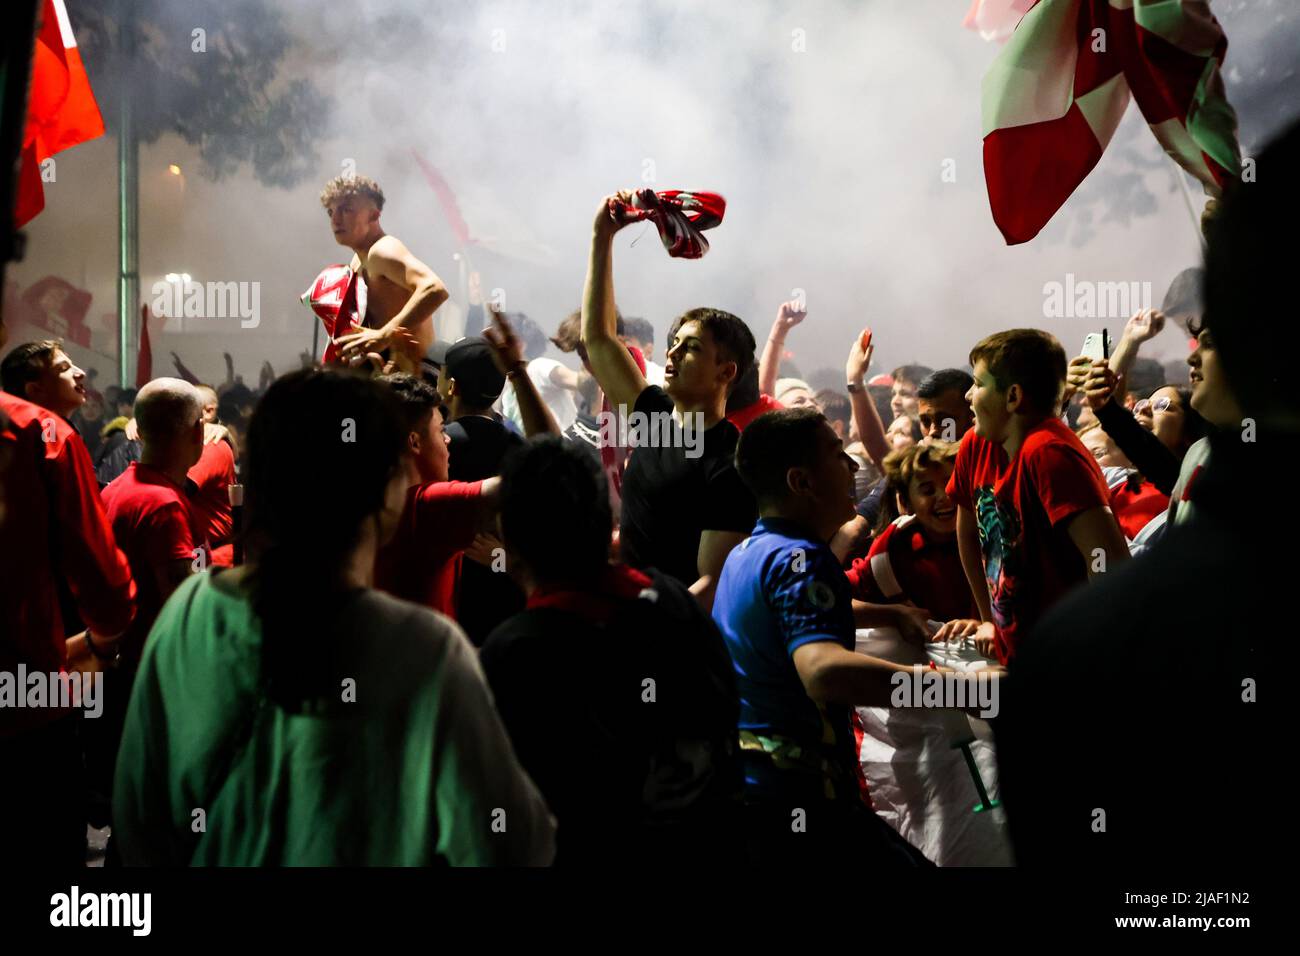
{"x": 1000, "y": 539}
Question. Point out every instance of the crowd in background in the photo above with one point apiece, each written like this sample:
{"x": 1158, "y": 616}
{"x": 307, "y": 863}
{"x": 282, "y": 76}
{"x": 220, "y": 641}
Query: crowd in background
{"x": 470, "y": 627}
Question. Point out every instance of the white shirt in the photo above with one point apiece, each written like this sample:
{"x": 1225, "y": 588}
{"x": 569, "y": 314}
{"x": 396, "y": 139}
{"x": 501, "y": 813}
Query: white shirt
{"x": 559, "y": 400}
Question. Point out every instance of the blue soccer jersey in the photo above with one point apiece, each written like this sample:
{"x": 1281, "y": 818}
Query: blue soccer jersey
{"x": 780, "y": 590}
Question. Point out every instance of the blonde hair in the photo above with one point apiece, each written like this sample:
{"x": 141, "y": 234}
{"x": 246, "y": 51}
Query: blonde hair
{"x": 341, "y": 187}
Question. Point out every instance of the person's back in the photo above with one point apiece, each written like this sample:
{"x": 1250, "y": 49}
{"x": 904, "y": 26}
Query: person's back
{"x": 152, "y": 522}
{"x": 1167, "y": 755}
{"x": 406, "y": 765}
{"x": 621, "y": 703}
{"x": 486, "y": 597}
{"x": 478, "y": 444}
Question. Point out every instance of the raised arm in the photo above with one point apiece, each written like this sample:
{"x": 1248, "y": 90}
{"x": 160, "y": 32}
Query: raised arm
{"x": 613, "y": 366}
{"x": 508, "y": 353}
{"x": 788, "y": 316}
{"x": 1142, "y": 327}
{"x": 1149, "y": 456}
{"x": 870, "y": 428}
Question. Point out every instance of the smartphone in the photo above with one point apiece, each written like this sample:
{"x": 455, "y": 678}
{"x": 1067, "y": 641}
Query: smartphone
{"x": 1096, "y": 346}
{"x": 866, "y": 339}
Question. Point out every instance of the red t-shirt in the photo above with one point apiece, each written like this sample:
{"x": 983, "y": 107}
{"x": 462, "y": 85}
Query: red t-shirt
{"x": 1022, "y": 508}
{"x": 213, "y": 474}
{"x": 906, "y": 564}
{"x": 152, "y": 522}
{"x": 52, "y": 525}
{"x": 743, "y": 416}
{"x": 1135, "y": 502}
{"x": 422, "y": 562}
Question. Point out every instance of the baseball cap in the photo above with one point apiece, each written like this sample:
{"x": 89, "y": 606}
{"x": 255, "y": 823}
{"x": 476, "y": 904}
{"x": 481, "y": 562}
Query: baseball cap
{"x": 469, "y": 361}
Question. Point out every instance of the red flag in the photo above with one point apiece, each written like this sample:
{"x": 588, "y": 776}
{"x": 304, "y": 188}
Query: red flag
{"x": 1054, "y": 97}
{"x": 446, "y": 198}
{"x": 144, "y": 361}
{"x": 61, "y": 109}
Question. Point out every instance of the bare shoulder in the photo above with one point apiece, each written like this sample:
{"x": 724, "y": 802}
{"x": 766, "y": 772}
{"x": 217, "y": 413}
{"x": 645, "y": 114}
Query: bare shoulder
{"x": 390, "y": 248}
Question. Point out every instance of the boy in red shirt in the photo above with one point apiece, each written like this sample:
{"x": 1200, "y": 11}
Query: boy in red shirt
{"x": 1033, "y": 517}
{"x": 421, "y": 563}
{"x": 442, "y": 518}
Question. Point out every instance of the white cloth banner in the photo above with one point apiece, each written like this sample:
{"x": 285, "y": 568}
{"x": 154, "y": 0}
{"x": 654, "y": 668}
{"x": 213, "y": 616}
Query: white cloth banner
{"x": 918, "y": 780}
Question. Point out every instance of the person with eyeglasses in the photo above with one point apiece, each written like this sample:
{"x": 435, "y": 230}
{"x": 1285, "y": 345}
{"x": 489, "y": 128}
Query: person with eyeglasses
{"x": 1156, "y": 437}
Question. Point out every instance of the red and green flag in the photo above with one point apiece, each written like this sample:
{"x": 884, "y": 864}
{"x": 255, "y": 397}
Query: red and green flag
{"x": 1058, "y": 90}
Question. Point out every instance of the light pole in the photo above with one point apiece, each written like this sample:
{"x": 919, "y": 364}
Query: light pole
{"x": 128, "y": 205}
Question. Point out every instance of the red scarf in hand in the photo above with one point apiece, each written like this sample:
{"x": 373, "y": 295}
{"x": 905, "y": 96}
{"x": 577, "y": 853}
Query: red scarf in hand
{"x": 679, "y": 215}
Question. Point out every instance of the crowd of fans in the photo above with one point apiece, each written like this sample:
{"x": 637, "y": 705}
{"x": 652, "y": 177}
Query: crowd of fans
{"x": 473, "y": 627}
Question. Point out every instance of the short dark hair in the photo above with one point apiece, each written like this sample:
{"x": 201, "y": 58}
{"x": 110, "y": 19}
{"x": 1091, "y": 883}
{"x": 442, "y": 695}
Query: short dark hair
{"x": 1030, "y": 358}
{"x": 772, "y": 444}
{"x": 744, "y": 391}
{"x": 943, "y": 381}
{"x": 639, "y": 329}
{"x": 26, "y": 363}
{"x": 730, "y": 334}
{"x": 555, "y": 511}
{"x": 1194, "y": 426}
{"x": 417, "y": 396}
{"x": 835, "y": 405}
{"x": 530, "y": 334}
{"x": 1247, "y": 281}
{"x": 911, "y": 373}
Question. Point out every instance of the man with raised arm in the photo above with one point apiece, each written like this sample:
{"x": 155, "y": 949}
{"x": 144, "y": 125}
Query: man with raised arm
{"x": 402, "y": 293}
{"x": 684, "y": 506}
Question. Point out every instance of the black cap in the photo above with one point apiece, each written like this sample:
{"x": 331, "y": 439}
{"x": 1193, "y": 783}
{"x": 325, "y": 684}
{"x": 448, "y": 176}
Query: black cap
{"x": 470, "y": 363}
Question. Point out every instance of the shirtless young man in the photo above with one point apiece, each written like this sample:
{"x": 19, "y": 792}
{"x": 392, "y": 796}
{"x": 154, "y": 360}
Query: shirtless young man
{"x": 402, "y": 293}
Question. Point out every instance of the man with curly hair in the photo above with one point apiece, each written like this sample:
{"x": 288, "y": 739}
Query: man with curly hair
{"x": 402, "y": 293}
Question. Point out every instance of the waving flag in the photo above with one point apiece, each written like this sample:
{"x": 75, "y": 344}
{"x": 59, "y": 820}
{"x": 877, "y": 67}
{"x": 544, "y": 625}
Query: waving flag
{"x": 1055, "y": 95}
{"x": 61, "y": 109}
{"x": 679, "y": 215}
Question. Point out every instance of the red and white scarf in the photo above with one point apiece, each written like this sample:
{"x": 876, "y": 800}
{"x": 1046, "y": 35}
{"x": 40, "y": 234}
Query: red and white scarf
{"x": 338, "y": 297}
{"x": 679, "y": 215}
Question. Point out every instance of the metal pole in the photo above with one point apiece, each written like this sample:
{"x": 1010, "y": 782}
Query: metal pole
{"x": 128, "y": 204}
{"x": 1181, "y": 176}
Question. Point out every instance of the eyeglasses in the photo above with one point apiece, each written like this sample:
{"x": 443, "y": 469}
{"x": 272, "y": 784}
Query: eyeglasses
{"x": 1161, "y": 404}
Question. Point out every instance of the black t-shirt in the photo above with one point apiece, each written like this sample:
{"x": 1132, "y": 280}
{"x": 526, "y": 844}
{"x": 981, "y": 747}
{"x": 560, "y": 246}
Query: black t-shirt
{"x": 477, "y": 446}
{"x": 486, "y": 597}
{"x": 625, "y": 776}
{"x": 670, "y": 499}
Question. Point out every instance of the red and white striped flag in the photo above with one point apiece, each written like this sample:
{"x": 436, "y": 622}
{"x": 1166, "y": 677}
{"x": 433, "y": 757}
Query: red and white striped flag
{"x": 1055, "y": 95}
{"x": 61, "y": 109}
